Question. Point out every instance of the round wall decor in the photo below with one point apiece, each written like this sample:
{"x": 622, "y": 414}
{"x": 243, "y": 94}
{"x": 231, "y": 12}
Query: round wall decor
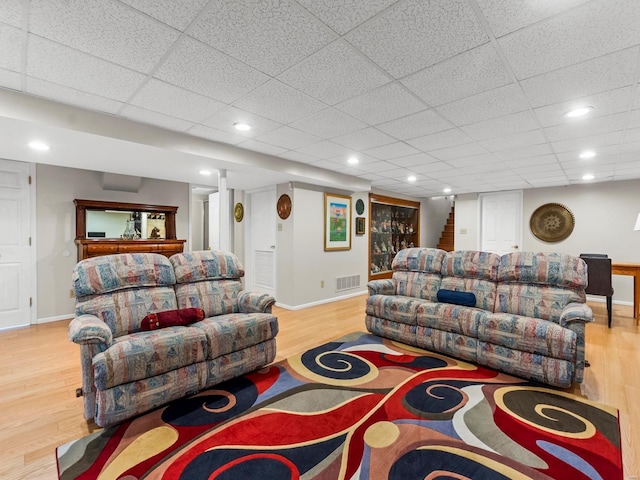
{"x": 284, "y": 206}
{"x": 552, "y": 222}
{"x": 238, "y": 212}
{"x": 359, "y": 206}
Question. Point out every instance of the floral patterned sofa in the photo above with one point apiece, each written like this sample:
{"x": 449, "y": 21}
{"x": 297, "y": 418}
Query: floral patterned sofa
{"x": 126, "y": 370}
{"x": 520, "y": 313}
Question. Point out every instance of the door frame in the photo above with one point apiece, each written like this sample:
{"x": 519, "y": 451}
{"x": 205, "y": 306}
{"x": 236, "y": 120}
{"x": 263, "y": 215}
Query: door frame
{"x": 248, "y": 243}
{"x": 520, "y": 227}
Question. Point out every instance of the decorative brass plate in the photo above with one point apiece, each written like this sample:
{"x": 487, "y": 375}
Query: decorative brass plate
{"x": 238, "y": 212}
{"x": 552, "y": 222}
{"x": 284, "y": 206}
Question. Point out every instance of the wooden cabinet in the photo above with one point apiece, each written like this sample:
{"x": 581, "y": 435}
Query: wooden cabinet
{"x": 394, "y": 224}
{"x": 94, "y": 244}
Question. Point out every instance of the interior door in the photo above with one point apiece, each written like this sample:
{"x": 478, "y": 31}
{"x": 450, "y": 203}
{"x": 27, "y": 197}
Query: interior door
{"x": 15, "y": 250}
{"x": 501, "y": 222}
{"x": 261, "y": 207}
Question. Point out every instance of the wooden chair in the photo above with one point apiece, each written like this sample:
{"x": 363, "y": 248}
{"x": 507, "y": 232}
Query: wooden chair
{"x": 599, "y": 275}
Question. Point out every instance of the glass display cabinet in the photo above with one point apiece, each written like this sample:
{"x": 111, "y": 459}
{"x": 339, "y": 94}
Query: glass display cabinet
{"x": 394, "y": 224}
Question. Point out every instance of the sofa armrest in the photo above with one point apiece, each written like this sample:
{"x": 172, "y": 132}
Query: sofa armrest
{"x": 87, "y": 329}
{"x": 382, "y": 287}
{"x": 254, "y": 302}
{"x": 576, "y": 312}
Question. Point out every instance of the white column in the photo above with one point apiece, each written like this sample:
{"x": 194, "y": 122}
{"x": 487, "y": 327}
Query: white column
{"x": 225, "y": 212}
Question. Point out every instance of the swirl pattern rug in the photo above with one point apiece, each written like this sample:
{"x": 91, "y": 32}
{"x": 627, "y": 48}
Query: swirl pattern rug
{"x": 358, "y": 408}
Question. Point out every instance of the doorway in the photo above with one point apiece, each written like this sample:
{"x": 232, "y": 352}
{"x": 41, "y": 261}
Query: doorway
{"x": 261, "y": 244}
{"x": 501, "y": 222}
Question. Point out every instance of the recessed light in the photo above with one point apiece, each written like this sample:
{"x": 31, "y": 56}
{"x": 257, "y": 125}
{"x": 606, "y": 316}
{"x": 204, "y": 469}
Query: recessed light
{"x": 588, "y": 177}
{"x": 412, "y": 178}
{"x": 578, "y": 112}
{"x": 204, "y": 172}
{"x": 447, "y": 190}
{"x": 588, "y": 154}
{"x": 353, "y": 160}
{"x": 40, "y": 146}
{"x": 243, "y": 127}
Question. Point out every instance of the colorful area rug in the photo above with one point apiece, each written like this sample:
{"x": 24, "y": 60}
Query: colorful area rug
{"x": 358, "y": 408}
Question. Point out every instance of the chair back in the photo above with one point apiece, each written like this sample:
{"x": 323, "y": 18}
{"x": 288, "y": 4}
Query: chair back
{"x": 599, "y": 274}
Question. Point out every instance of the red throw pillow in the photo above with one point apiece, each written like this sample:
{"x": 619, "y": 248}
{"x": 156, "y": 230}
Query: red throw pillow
{"x": 170, "y": 318}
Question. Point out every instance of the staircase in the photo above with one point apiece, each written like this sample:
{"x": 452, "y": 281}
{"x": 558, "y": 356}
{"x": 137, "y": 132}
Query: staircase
{"x": 446, "y": 239}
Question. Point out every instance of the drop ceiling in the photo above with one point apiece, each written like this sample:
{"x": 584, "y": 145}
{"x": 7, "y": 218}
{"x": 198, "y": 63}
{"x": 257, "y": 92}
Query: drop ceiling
{"x": 465, "y": 94}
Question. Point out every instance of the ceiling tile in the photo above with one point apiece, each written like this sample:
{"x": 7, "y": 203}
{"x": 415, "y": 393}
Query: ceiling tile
{"x": 202, "y": 69}
{"x": 466, "y": 74}
{"x": 155, "y": 118}
{"x": 363, "y": 159}
{"x": 634, "y": 118}
{"x": 62, "y": 65}
{"x": 543, "y": 159}
{"x": 329, "y": 123}
{"x": 433, "y": 169}
{"x": 483, "y": 106}
{"x": 216, "y": 135}
{"x": 416, "y": 125}
{"x": 279, "y": 102}
{"x": 225, "y": 118}
{"x": 515, "y": 140}
{"x": 586, "y": 127}
{"x": 458, "y": 151}
{"x": 591, "y": 142}
{"x": 483, "y": 159}
{"x": 344, "y": 15}
{"x": 176, "y": 102}
{"x": 11, "y": 48}
{"x": 589, "y": 31}
{"x": 524, "y": 152}
{"x": 270, "y": 36}
{"x": 382, "y": 104}
{"x": 506, "y": 16}
{"x": 298, "y": 157}
{"x": 604, "y": 73}
{"x": 11, "y": 12}
{"x": 413, "y": 160}
{"x": 334, "y": 74}
{"x": 261, "y": 147}
{"x": 70, "y": 96}
{"x": 108, "y": 30}
{"x": 436, "y": 141}
{"x": 632, "y": 135}
{"x": 392, "y": 150}
{"x": 177, "y": 14}
{"x": 287, "y": 137}
{"x": 325, "y": 149}
{"x": 505, "y": 125}
{"x": 9, "y": 79}
{"x": 415, "y": 34}
{"x": 378, "y": 167}
{"x": 363, "y": 139}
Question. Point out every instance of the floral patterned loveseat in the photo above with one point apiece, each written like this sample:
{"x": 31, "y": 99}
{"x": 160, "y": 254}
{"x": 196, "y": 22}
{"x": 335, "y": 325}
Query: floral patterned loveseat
{"x": 520, "y": 313}
{"x": 127, "y": 370}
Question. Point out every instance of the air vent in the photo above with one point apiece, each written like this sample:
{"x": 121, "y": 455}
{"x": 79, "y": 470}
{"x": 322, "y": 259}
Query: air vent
{"x": 347, "y": 283}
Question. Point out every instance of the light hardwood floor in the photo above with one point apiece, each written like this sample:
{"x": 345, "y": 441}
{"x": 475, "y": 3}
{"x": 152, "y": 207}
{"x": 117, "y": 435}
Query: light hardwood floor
{"x": 40, "y": 370}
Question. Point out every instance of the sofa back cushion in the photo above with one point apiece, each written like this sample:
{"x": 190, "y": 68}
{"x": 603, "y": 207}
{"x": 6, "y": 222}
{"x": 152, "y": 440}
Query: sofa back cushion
{"x": 472, "y": 271}
{"x": 215, "y": 297}
{"x": 206, "y": 265}
{"x": 111, "y": 273}
{"x": 540, "y": 284}
{"x": 416, "y": 272}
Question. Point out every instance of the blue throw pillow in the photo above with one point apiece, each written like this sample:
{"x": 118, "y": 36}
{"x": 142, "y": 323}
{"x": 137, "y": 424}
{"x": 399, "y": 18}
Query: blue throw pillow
{"x": 468, "y": 299}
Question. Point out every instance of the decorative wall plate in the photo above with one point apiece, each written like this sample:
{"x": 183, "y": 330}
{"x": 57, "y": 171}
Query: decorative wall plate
{"x": 284, "y": 206}
{"x": 552, "y": 222}
{"x": 359, "y": 206}
{"x": 238, "y": 212}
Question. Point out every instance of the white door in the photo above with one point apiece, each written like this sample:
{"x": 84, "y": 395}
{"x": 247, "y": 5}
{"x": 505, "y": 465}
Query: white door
{"x": 261, "y": 234}
{"x": 501, "y": 222}
{"x": 15, "y": 250}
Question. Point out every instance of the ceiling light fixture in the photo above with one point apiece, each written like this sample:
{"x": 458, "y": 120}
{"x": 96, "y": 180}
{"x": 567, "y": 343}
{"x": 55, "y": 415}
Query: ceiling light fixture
{"x": 587, "y": 154}
{"x": 353, "y": 160}
{"x": 243, "y": 127}
{"x": 204, "y": 172}
{"x": 447, "y": 190}
{"x": 38, "y": 145}
{"x": 412, "y": 178}
{"x": 588, "y": 176}
{"x": 578, "y": 112}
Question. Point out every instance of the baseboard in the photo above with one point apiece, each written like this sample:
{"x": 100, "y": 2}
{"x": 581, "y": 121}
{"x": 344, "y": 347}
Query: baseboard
{"x": 57, "y": 318}
{"x": 599, "y": 299}
{"x": 321, "y": 302}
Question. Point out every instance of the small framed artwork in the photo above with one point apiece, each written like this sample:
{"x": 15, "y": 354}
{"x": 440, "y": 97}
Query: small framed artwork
{"x": 337, "y": 222}
{"x": 360, "y": 225}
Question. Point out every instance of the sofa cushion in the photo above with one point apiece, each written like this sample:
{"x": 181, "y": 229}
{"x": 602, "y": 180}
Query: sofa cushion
{"x": 471, "y": 264}
{"x": 146, "y": 354}
{"x": 427, "y": 260}
{"x": 418, "y": 285}
{"x": 215, "y": 297}
{"x": 206, "y": 265}
{"x": 466, "y": 299}
{"x": 484, "y": 290}
{"x": 110, "y": 273}
{"x": 528, "y": 335}
{"x": 555, "y": 269}
{"x": 237, "y": 331}
{"x": 171, "y": 318}
{"x": 539, "y": 301}
{"x": 449, "y": 343}
{"x": 450, "y": 318}
{"x": 123, "y": 310}
{"x": 396, "y": 308}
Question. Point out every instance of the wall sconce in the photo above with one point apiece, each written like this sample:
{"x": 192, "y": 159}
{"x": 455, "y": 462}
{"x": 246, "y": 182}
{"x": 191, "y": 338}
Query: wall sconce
{"x": 637, "y": 227}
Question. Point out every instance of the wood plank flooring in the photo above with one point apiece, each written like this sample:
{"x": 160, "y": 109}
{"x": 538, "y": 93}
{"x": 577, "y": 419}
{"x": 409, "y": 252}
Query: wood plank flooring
{"x": 40, "y": 370}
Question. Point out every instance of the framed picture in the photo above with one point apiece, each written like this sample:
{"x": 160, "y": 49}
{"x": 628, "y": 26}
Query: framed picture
{"x": 360, "y": 225}
{"x": 337, "y": 222}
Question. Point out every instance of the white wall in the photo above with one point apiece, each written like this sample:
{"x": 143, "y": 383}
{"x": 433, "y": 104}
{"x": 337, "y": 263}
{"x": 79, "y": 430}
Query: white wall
{"x": 604, "y": 214}
{"x": 57, "y": 187}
